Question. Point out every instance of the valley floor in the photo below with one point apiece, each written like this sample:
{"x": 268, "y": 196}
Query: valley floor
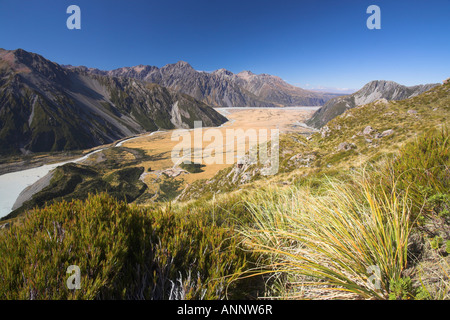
{"x": 158, "y": 147}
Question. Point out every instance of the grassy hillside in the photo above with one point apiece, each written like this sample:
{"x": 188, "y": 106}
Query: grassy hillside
{"x": 114, "y": 170}
{"x": 324, "y": 237}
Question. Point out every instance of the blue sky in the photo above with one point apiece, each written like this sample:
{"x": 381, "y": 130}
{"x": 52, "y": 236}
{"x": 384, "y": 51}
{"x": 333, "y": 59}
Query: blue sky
{"x": 311, "y": 44}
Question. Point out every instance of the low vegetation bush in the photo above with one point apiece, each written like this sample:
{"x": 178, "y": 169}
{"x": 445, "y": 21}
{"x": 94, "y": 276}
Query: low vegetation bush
{"x": 122, "y": 252}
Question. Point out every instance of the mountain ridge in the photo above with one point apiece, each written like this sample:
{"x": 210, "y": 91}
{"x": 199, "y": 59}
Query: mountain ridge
{"x": 45, "y": 107}
{"x": 221, "y": 88}
{"x": 370, "y": 92}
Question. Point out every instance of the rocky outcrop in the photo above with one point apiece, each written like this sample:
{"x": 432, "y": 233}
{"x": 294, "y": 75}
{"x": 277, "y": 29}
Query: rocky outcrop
{"x": 243, "y": 171}
{"x": 325, "y": 131}
{"x": 368, "y": 130}
{"x": 5, "y": 226}
{"x": 370, "y": 133}
{"x": 345, "y": 146}
{"x": 301, "y": 160}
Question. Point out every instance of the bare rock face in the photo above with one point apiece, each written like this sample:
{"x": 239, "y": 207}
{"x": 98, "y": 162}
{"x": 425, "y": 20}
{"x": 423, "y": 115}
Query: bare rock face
{"x": 384, "y": 134}
{"x": 274, "y": 89}
{"x": 380, "y": 90}
{"x": 222, "y": 88}
{"x": 345, "y": 146}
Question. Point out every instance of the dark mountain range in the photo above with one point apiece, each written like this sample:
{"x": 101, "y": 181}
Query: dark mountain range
{"x": 45, "y": 107}
{"x": 372, "y": 91}
{"x": 221, "y": 88}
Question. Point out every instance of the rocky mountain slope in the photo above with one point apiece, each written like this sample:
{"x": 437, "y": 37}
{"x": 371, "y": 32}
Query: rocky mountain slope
{"x": 374, "y": 90}
{"x": 45, "y": 107}
{"x": 221, "y": 88}
{"x": 274, "y": 89}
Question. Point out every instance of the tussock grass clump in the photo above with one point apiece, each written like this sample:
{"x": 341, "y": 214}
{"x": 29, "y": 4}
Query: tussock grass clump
{"x": 423, "y": 167}
{"x": 332, "y": 244}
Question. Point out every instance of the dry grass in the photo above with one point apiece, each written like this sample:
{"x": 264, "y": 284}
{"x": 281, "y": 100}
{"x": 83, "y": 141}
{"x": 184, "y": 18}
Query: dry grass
{"x": 328, "y": 244}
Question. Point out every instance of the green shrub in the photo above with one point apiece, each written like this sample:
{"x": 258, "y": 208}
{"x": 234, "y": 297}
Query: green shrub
{"x": 402, "y": 289}
{"x": 436, "y": 242}
{"x": 123, "y": 253}
{"x": 36, "y": 253}
{"x": 440, "y": 202}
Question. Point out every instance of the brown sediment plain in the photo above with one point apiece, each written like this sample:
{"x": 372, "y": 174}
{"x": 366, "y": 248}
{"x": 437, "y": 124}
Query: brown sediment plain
{"x": 215, "y": 146}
